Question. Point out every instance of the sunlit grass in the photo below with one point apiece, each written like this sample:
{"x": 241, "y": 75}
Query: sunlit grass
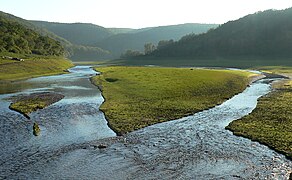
{"x": 141, "y": 96}
{"x": 271, "y": 122}
{"x": 32, "y": 66}
{"x": 276, "y": 69}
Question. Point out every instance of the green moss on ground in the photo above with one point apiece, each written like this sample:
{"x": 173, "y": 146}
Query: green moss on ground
{"x": 26, "y": 104}
{"x": 36, "y": 129}
{"x": 271, "y": 122}
{"x": 32, "y": 66}
{"x": 137, "y": 97}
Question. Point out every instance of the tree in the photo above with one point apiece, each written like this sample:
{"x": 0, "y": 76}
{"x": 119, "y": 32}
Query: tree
{"x": 16, "y": 38}
{"x": 149, "y": 48}
{"x": 131, "y": 53}
{"x": 164, "y": 43}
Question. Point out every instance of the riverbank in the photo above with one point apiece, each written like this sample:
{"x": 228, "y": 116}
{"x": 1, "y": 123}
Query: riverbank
{"x": 136, "y": 97}
{"x": 271, "y": 122}
{"x": 35, "y": 66}
{"x": 193, "y": 147}
{"x": 25, "y": 104}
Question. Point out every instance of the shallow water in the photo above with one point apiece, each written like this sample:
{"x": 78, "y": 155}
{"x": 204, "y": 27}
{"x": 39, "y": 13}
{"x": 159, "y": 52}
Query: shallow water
{"x": 74, "y": 119}
{"x": 193, "y": 147}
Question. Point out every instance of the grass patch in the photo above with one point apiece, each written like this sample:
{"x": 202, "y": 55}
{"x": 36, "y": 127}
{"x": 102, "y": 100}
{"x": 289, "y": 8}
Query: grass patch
{"x": 271, "y": 122}
{"x": 32, "y": 66}
{"x": 282, "y": 70}
{"x": 217, "y": 62}
{"x": 142, "y": 96}
{"x": 26, "y": 104}
{"x": 276, "y": 69}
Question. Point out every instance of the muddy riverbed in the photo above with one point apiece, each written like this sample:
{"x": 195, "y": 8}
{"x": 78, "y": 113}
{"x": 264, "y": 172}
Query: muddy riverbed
{"x": 193, "y": 147}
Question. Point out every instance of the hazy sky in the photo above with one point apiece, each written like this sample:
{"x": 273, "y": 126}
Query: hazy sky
{"x": 138, "y": 13}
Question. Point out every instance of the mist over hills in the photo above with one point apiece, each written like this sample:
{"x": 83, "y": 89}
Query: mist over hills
{"x": 119, "y": 43}
{"x": 89, "y": 42}
{"x": 112, "y": 42}
{"x": 77, "y": 33}
{"x": 258, "y": 38}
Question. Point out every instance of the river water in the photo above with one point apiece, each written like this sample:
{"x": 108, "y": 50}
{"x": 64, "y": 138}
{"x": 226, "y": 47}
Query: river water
{"x": 193, "y": 147}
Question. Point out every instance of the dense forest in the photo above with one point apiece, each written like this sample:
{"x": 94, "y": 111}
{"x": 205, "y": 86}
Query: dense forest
{"x": 136, "y": 39}
{"x": 265, "y": 34}
{"x": 99, "y": 43}
{"x": 89, "y": 42}
{"x": 16, "y": 38}
{"x": 71, "y": 50}
{"x": 260, "y": 36}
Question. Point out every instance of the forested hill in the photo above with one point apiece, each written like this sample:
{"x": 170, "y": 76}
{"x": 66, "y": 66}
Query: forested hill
{"x": 261, "y": 35}
{"x": 112, "y": 42}
{"x": 135, "y": 39}
{"x": 73, "y": 51}
{"x": 17, "y": 38}
{"x": 77, "y": 33}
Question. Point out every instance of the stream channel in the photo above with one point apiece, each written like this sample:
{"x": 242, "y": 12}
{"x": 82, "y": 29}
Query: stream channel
{"x": 193, "y": 147}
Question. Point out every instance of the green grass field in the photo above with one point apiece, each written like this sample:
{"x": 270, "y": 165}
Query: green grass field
{"x": 32, "y": 66}
{"x": 136, "y": 97}
{"x": 271, "y": 122}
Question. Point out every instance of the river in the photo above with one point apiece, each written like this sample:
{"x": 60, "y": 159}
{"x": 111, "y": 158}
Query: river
{"x": 193, "y": 147}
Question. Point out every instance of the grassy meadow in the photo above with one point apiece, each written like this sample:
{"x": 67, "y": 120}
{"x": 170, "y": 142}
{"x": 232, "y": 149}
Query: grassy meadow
{"x": 271, "y": 122}
{"x": 136, "y": 97}
{"x": 32, "y": 66}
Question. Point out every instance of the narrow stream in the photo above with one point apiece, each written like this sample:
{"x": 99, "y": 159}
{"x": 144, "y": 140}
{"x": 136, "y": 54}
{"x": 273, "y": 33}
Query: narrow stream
{"x": 193, "y": 147}
{"x": 74, "y": 119}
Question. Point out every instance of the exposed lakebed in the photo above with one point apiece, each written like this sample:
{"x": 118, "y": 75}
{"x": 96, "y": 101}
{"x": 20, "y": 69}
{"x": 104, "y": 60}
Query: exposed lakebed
{"x": 192, "y": 147}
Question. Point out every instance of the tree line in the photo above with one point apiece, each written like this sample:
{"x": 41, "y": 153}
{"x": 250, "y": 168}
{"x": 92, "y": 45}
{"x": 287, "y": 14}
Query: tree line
{"x": 263, "y": 34}
{"x": 149, "y": 48}
{"x": 16, "y": 38}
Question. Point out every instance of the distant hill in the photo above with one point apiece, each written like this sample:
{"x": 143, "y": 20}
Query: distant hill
{"x": 135, "y": 39}
{"x": 17, "y": 38}
{"x": 120, "y": 30}
{"x": 41, "y": 31}
{"x": 77, "y": 33}
{"x": 112, "y": 42}
{"x": 73, "y": 51}
{"x": 260, "y": 36}
{"x": 80, "y": 40}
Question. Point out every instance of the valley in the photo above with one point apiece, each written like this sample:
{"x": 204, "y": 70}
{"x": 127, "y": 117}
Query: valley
{"x": 184, "y": 101}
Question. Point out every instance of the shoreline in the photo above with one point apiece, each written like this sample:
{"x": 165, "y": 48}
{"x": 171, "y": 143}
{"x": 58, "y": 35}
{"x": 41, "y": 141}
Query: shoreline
{"x": 251, "y": 80}
{"x": 262, "y": 143}
{"x": 276, "y": 86}
{"x": 15, "y": 80}
{"x": 39, "y": 100}
{"x": 14, "y": 72}
{"x": 104, "y": 99}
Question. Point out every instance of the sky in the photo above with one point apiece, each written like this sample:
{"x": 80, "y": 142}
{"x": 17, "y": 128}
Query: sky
{"x": 138, "y": 13}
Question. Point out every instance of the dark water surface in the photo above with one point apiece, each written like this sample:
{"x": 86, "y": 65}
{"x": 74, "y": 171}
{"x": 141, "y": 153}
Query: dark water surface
{"x": 193, "y": 147}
